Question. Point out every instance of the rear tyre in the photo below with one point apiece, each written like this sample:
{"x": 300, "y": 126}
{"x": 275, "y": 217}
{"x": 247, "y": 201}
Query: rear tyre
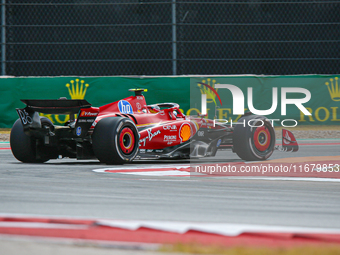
{"x": 23, "y": 146}
{"x": 255, "y": 140}
{"x": 115, "y": 140}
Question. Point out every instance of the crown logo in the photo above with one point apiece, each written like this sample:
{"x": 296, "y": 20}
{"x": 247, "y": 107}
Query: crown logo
{"x": 333, "y": 89}
{"x": 204, "y": 90}
{"x": 76, "y": 90}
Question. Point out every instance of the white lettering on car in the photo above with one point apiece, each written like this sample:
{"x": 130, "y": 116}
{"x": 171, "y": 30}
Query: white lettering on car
{"x": 170, "y": 127}
{"x": 25, "y": 117}
{"x": 88, "y": 114}
{"x": 150, "y": 136}
{"x": 170, "y": 137}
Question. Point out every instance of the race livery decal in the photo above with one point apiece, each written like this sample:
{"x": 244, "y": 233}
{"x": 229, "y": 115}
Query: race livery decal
{"x": 24, "y": 116}
{"x": 139, "y": 107}
{"x": 170, "y": 127}
{"x": 200, "y": 133}
{"x": 185, "y": 132}
{"x": 88, "y": 114}
{"x": 125, "y": 107}
{"x": 170, "y": 138}
{"x": 149, "y": 137}
{"x": 78, "y": 131}
{"x": 288, "y": 139}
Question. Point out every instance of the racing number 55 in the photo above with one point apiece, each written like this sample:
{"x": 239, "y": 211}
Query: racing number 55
{"x": 24, "y": 116}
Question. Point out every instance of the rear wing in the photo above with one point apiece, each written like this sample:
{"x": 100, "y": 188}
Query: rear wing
{"x": 55, "y": 106}
{"x": 30, "y": 118}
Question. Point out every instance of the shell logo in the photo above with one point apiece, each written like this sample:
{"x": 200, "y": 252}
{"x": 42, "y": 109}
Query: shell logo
{"x": 185, "y": 132}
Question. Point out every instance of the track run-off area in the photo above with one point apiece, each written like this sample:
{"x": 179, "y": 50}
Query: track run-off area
{"x": 166, "y": 201}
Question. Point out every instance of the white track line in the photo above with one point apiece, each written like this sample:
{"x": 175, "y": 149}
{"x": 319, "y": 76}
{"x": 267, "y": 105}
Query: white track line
{"x": 10, "y": 224}
{"x": 226, "y": 229}
{"x": 171, "y": 171}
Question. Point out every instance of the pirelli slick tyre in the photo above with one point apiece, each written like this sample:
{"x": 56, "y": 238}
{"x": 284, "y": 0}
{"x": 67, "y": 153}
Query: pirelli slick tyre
{"x": 254, "y": 138}
{"x": 23, "y": 146}
{"x": 115, "y": 140}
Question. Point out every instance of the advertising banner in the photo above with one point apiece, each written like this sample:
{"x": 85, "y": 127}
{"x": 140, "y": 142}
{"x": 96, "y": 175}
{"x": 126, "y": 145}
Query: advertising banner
{"x": 311, "y": 99}
{"x": 277, "y": 97}
{"x": 96, "y": 90}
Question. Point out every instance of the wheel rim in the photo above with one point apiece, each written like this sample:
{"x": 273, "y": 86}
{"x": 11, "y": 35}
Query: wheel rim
{"x": 126, "y": 140}
{"x": 262, "y": 138}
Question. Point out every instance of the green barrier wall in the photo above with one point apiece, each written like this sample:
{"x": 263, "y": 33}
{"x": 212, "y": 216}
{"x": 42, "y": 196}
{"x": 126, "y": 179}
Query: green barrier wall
{"x": 96, "y": 90}
{"x": 324, "y": 104}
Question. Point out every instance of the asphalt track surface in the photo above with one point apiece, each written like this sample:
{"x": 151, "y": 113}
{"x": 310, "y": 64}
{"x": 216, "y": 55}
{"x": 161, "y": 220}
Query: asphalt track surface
{"x": 70, "y": 188}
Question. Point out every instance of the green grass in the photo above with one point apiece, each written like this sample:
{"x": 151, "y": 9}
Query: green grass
{"x": 219, "y": 250}
{"x": 5, "y": 130}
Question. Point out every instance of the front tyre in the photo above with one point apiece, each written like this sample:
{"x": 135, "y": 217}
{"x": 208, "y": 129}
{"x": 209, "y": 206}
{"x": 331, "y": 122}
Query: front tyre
{"x": 115, "y": 140}
{"x": 254, "y": 138}
{"x": 23, "y": 146}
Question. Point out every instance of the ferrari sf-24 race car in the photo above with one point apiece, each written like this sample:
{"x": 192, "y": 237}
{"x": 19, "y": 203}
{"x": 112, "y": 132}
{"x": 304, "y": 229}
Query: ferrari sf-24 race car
{"x": 121, "y": 131}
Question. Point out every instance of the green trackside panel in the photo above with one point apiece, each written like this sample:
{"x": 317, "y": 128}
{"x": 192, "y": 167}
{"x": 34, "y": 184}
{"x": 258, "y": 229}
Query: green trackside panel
{"x": 96, "y": 90}
{"x": 324, "y": 103}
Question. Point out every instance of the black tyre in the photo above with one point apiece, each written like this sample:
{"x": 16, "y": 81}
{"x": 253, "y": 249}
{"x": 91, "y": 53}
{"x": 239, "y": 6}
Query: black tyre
{"x": 23, "y": 146}
{"x": 254, "y": 140}
{"x": 115, "y": 140}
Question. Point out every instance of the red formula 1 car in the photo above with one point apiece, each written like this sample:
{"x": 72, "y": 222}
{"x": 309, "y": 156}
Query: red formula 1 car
{"x": 119, "y": 132}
